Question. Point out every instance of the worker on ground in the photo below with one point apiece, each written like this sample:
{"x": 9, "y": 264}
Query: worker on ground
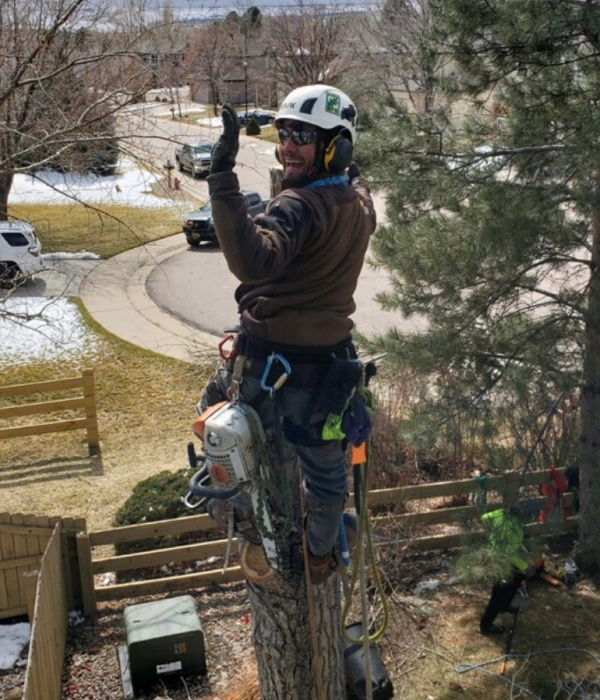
{"x": 507, "y": 551}
{"x": 298, "y": 264}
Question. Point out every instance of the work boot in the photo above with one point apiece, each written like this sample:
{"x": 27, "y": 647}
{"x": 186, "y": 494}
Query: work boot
{"x": 321, "y": 567}
{"x": 491, "y": 629}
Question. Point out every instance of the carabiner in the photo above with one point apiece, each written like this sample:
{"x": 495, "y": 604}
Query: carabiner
{"x": 227, "y": 355}
{"x": 287, "y": 370}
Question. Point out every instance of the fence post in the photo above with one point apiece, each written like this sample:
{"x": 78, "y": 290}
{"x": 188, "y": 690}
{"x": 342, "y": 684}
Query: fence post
{"x": 84, "y": 556}
{"x": 93, "y": 436}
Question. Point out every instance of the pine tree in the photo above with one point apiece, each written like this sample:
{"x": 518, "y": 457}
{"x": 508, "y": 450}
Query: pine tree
{"x": 494, "y": 222}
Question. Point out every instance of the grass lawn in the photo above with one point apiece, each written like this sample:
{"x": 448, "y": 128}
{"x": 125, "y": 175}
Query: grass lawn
{"x": 146, "y": 405}
{"x": 75, "y": 228}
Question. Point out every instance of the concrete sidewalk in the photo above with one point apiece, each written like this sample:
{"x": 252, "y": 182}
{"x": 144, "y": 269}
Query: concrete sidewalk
{"x": 114, "y": 293}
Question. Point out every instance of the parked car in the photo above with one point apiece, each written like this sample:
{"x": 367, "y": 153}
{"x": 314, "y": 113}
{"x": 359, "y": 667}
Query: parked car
{"x": 20, "y": 251}
{"x": 199, "y": 226}
{"x": 261, "y": 117}
{"x": 194, "y": 157}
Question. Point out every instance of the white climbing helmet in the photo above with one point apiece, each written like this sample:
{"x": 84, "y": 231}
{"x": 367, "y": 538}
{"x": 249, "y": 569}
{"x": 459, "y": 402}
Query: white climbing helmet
{"x": 321, "y": 105}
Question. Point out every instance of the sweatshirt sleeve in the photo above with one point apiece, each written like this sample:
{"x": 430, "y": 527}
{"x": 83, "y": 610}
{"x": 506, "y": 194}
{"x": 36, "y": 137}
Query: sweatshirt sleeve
{"x": 260, "y": 248}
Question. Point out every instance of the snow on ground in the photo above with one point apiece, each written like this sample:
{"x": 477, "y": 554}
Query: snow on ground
{"x": 13, "y": 639}
{"x": 131, "y": 186}
{"x": 54, "y": 328}
{"x": 45, "y": 329}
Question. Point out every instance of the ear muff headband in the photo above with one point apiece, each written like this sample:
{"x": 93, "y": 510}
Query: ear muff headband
{"x": 338, "y": 154}
{"x": 278, "y": 157}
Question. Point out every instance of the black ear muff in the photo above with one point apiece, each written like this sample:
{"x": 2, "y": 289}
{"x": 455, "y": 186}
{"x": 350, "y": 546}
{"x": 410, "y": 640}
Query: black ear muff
{"x": 338, "y": 154}
{"x": 278, "y": 157}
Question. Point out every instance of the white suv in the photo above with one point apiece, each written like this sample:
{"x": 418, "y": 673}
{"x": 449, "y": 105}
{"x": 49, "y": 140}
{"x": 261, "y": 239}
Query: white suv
{"x": 20, "y": 251}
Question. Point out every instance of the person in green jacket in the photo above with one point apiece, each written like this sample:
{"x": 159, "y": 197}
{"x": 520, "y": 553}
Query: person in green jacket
{"x": 505, "y": 543}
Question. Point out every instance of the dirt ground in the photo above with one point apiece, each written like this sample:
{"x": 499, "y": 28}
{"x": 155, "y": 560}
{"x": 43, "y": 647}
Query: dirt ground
{"x": 432, "y": 649}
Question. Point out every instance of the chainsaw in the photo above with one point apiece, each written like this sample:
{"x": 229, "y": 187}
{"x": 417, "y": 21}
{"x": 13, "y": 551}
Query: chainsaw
{"x": 235, "y": 448}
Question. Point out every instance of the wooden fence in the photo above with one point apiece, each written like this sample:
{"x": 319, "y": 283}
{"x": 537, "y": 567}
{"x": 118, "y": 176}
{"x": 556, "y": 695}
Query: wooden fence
{"x": 87, "y": 403}
{"x": 463, "y": 518}
{"x": 48, "y": 615}
{"x": 23, "y": 541}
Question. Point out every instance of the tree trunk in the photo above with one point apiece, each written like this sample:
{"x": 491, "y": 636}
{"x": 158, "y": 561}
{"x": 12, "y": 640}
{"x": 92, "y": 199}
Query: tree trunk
{"x": 286, "y": 660}
{"x": 590, "y": 412}
{"x": 289, "y": 667}
{"x": 6, "y": 180}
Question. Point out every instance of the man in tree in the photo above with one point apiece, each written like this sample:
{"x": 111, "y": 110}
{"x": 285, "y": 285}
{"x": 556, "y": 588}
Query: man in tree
{"x": 298, "y": 264}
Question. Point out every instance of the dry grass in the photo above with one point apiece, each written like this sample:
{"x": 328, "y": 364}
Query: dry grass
{"x": 146, "y": 404}
{"x": 106, "y": 231}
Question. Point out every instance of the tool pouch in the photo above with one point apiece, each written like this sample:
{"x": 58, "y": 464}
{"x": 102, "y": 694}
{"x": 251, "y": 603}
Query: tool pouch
{"x": 334, "y": 395}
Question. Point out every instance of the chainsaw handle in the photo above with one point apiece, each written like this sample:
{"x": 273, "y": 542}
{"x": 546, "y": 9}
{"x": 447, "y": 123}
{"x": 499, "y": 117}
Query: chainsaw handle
{"x": 197, "y": 489}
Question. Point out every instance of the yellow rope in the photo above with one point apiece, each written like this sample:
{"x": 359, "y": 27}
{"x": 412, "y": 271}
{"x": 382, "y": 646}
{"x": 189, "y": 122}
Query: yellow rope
{"x": 365, "y": 533}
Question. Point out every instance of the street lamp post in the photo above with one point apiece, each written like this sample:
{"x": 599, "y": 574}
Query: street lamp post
{"x": 246, "y": 85}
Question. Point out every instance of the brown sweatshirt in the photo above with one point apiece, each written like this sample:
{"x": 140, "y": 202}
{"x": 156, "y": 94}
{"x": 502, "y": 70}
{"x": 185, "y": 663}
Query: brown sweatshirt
{"x": 299, "y": 262}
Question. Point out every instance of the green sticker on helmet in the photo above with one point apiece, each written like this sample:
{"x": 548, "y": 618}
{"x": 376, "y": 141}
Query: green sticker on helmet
{"x": 332, "y": 103}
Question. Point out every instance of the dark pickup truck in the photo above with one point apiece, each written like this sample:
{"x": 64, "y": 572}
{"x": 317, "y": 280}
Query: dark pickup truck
{"x": 199, "y": 226}
{"x": 194, "y": 157}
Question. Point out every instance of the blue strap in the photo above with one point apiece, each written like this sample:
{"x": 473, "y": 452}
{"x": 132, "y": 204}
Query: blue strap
{"x": 328, "y": 182}
{"x": 345, "y": 551}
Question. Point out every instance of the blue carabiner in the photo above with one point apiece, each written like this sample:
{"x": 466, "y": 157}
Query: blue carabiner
{"x": 287, "y": 370}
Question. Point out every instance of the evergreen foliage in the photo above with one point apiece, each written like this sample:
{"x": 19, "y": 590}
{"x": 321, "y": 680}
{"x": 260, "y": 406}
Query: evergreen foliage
{"x": 252, "y": 128}
{"x": 493, "y": 204}
{"x": 156, "y": 498}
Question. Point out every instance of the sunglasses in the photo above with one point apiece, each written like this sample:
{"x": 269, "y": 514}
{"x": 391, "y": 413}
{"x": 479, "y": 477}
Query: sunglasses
{"x": 300, "y": 136}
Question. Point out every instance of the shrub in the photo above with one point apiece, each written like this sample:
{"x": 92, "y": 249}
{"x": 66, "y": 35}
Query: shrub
{"x": 156, "y": 498}
{"x": 252, "y": 128}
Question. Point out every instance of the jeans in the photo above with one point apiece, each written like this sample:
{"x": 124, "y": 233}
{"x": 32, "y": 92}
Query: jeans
{"x": 325, "y": 466}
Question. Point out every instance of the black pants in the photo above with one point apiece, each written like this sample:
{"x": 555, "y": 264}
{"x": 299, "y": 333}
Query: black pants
{"x": 502, "y": 594}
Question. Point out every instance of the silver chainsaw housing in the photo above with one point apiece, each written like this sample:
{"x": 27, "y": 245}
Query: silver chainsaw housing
{"x": 235, "y": 439}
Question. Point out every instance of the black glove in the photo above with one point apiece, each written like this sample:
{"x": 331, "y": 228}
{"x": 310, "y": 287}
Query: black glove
{"x": 353, "y": 171}
{"x": 225, "y": 150}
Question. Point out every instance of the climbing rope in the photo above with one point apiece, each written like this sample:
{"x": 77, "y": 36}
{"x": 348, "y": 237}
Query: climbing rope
{"x": 364, "y": 538}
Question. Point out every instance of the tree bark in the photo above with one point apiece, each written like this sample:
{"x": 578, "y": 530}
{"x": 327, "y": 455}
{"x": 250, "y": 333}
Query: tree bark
{"x": 590, "y": 412}
{"x": 289, "y": 665}
{"x": 6, "y": 180}
{"x": 286, "y": 660}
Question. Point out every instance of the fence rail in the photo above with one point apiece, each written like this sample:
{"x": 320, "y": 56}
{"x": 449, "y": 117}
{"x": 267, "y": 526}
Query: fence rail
{"x": 85, "y": 403}
{"x": 463, "y": 517}
{"x": 48, "y": 616}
